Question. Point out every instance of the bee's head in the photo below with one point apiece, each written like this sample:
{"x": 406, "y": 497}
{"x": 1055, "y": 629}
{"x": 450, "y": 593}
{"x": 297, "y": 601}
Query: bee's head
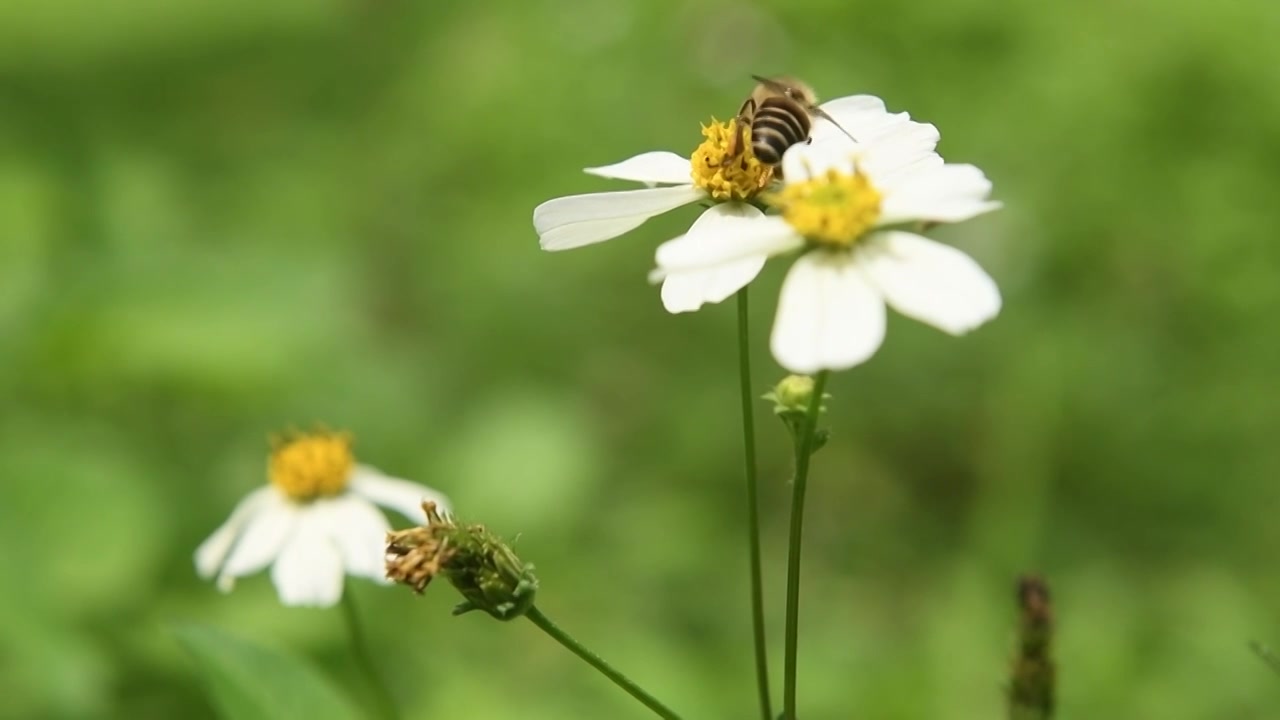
{"x": 792, "y": 87}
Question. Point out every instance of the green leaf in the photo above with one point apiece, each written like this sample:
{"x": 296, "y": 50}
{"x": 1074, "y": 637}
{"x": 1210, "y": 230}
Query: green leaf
{"x": 252, "y": 682}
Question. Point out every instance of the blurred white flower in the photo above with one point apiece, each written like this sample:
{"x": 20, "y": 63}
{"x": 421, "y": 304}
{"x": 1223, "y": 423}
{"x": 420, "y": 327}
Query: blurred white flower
{"x": 844, "y": 205}
{"x": 731, "y": 182}
{"x": 315, "y": 522}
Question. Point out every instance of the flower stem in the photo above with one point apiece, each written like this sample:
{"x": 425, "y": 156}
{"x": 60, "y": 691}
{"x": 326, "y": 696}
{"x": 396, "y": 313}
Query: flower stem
{"x": 753, "y": 507}
{"x": 804, "y": 451}
{"x": 386, "y": 706}
{"x": 1265, "y": 654}
{"x": 544, "y": 623}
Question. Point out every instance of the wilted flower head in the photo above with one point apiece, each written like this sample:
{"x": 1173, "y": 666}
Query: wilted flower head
{"x": 475, "y": 561}
{"x": 314, "y": 522}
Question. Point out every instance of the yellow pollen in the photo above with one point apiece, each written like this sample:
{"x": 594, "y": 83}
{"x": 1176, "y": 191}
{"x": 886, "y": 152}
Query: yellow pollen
{"x": 832, "y": 209}
{"x": 726, "y": 172}
{"x": 313, "y": 465}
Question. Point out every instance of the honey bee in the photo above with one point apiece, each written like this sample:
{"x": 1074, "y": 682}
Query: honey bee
{"x": 779, "y": 113}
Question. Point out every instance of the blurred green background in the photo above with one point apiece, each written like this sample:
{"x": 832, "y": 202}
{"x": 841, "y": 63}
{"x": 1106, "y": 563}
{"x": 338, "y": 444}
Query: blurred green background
{"x": 221, "y": 218}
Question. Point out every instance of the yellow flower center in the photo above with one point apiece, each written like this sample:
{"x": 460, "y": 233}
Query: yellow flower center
{"x": 832, "y": 209}
{"x": 314, "y": 465}
{"x": 725, "y": 170}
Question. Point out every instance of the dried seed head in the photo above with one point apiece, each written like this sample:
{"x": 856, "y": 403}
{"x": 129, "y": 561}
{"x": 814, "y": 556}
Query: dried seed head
{"x": 417, "y": 555}
{"x": 475, "y": 561}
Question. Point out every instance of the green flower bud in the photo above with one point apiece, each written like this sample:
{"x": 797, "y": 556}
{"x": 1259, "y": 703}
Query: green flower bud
{"x": 791, "y": 399}
{"x": 792, "y": 394}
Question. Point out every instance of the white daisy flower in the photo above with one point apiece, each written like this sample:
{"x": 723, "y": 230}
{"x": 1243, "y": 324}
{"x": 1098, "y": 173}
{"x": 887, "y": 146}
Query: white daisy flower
{"x": 315, "y": 522}
{"x": 709, "y": 175}
{"x": 845, "y": 205}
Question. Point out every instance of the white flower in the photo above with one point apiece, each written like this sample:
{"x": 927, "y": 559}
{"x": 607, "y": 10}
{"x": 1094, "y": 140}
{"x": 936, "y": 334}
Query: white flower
{"x": 844, "y": 204}
{"x": 575, "y": 221}
{"x": 713, "y": 175}
{"x": 316, "y": 522}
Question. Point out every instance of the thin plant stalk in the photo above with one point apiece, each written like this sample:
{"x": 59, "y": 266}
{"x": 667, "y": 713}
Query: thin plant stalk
{"x": 804, "y": 452}
{"x": 386, "y": 706}
{"x": 545, "y": 625}
{"x": 1266, "y": 655}
{"x": 753, "y": 508}
{"x": 1032, "y": 676}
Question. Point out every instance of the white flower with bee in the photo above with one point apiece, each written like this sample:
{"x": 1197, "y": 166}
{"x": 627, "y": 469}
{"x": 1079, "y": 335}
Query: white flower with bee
{"x": 735, "y": 164}
{"x": 845, "y": 209}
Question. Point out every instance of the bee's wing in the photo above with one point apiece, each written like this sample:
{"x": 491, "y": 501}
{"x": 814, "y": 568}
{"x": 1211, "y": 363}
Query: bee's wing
{"x": 774, "y": 85}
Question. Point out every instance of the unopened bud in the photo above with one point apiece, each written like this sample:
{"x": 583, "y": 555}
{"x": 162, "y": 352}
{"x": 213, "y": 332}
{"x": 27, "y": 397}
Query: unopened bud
{"x": 791, "y": 398}
{"x": 792, "y": 394}
{"x": 475, "y": 561}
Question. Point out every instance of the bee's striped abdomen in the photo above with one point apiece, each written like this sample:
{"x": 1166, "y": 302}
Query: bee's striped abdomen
{"x": 778, "y": 124}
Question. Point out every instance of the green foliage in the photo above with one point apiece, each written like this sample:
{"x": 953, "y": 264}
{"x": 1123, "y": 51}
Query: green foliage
{"x": 253, "y": 682}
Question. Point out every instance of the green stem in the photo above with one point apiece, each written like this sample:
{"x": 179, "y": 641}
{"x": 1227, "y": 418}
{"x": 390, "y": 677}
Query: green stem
{"x": 360, "y": 650}
{"x": 753, "y": 507}
{"x": 1266, "y": 655}
{"x": 544, "y": 623}
{"x": 804, "y": 451}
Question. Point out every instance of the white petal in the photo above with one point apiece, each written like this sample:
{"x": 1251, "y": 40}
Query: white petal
{"x": 400, "y": 495}
{"x": 900, "y": 129}
{"x": 803, "y": 162}
{"x": 877, "y": 160}
{"x": 658, "y": 167}
{"x": 726, "y": 239}
{"x": 882, "y": 162}
{"x": 829, "y": 316}
{"x": 904, "y": 132}
{"x": 213, "y": 551}
{"x": 867, "y": 120}
{"x": 946, "y": 193}
{"x": 264, "y": 535}
{"x": 578, "y": 220}
{"x": 887, "y": 157}
{"x": 858, "y": 114}
{"x": 688, "y": 291}
{"x": 931, "y": 282}
{"x": 886, "y": 142}
{"x": 309, "y": 569}
{"x": 359, "y": 531}
{"x": 940, "y": 177}
{"x": 849, "y": 105}
{"x": 888, "y": 167}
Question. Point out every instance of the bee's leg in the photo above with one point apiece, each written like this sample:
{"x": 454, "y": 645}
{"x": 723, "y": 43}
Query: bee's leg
{"x": 735, "y": 145}
{"x": 742, "y": 121}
